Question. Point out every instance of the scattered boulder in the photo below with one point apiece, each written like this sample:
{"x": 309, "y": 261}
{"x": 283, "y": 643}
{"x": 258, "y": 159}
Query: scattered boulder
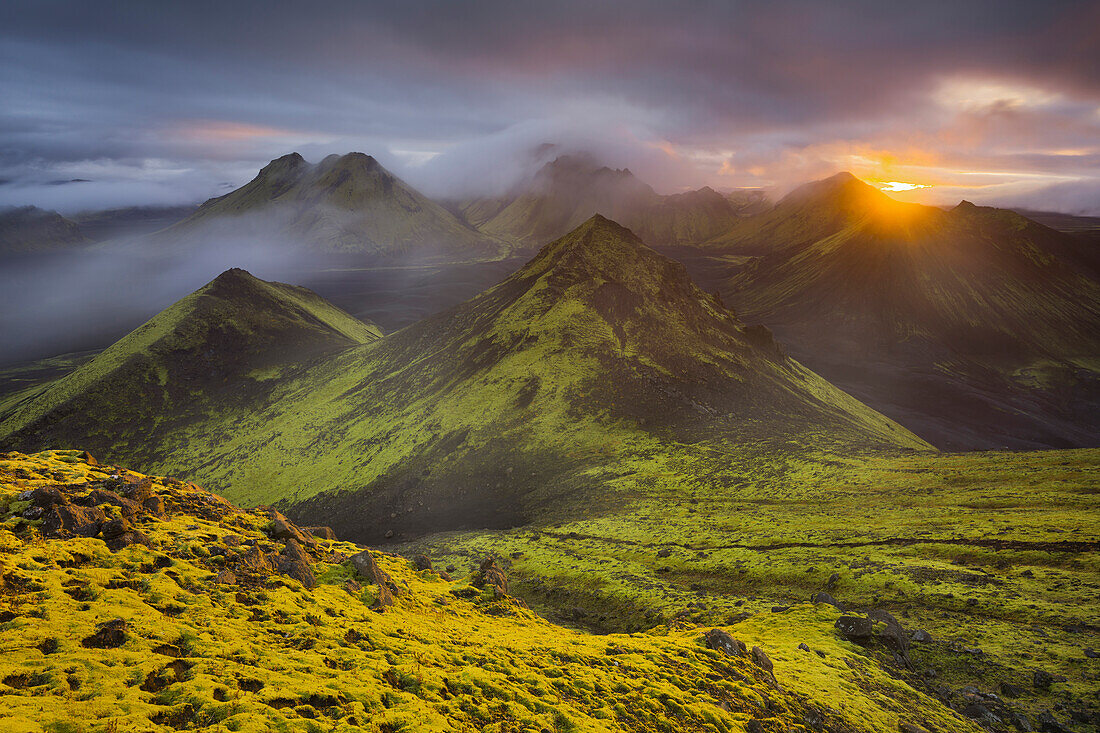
{"x": 295, "y": 563}
{"x": 804, "y": 647}
{"x": 721, "y": 641}
{"x": 284, "y": 529}
{"x": 887, "y": 630}
{"x": 321, "y": 533}
{"x": 108, "y": 635}
{"x": 63, "y": 520}
{"x": 761, "y": 659}
{"x": 1042, "y": 680}
{"x": 921, "y": 637}
{"x": 118, "y": 533}
{"x": 855, "y": 629}
{"x": 422, "y": 562}
{"x": 823, "y": 597}
{"x": 664, "y": 552}
{"x": 365, "y": 564}
{"x": 1049, "y": 724}
{"x": 490, "y": 575}
{"x": 226, "y": 577}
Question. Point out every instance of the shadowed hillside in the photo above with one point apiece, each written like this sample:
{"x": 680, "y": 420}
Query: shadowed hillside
{"x": 975, "y": 327}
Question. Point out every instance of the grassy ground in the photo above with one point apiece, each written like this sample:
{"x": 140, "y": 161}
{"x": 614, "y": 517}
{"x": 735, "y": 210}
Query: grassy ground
{"x": 996, "y": 555}
{"x": 265, "y": 653}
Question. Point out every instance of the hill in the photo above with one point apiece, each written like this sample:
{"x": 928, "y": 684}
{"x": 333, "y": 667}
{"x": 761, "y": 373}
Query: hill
{"x": 142, "y": 603}
{"x": 570, "y": 189}
{"x": 346, "y": 204}
{"x": 215, "y": 349}
{"x": 28, "y": 229}
{"x": 599, "y": 357}
{"x": 975, "y": 327}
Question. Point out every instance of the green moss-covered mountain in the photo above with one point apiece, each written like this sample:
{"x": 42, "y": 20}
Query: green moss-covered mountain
{"x": 975, "y": 327}
{"x": 28, "y": 229}
{"x": 570, "y": 189}
{"x": 205, "y": 356}
{"x": 596, "y": 359}
{"x": 345, "y": 204}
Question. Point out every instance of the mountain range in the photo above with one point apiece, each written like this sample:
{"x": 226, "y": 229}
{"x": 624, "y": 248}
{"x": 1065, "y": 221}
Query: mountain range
{"x": 976, "y": 327}
{"x": 597, "y": 353}
{"x": 571, "y": 188}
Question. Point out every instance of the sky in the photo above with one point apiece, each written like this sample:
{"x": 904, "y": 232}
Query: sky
{"x": 126, "y": 103}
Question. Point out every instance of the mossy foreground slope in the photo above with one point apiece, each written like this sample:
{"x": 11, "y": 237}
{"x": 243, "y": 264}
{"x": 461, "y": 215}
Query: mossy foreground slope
{"x": 139, "y": 603}
{"x": 598, "y": 360}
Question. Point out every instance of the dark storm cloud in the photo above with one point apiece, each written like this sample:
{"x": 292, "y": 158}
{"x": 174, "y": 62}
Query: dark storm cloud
{"x": 176, "y": 98}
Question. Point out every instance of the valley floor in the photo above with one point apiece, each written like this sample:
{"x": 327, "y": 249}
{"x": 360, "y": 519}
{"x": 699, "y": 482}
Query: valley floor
{"x": 995, "y": 555}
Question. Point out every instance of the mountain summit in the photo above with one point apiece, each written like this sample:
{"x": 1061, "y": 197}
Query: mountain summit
{"x": 569, "y": 189}
{"x": 212, "y": 351}
{"x": 344, "y": 204}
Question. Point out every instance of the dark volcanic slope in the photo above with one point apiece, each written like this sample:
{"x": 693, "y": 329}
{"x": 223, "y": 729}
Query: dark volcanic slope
{"x": 213, "y": 351}
{"x": 344, "y": 204}
{"x": 570, "y": 189}
{"x": 597, "y": 356}
{"x": 975, "y": 327}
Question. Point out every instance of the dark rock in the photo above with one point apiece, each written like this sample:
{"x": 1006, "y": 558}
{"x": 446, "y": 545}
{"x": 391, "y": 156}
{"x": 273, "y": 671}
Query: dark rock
{"x": 47, "y": 496}
{"x": 89, "y": 459}
{"x": 422, "y": 562}
{"x": 804, "y": 647}
{"x": 283, "y": 529}
{"x": 977, "y": 711}
{"x": 49, "y": 646}
{"x": 823, "y": 597}
{"x": 321, "y": 533}
{"x": 154, "y": 505}
{"x": 1010, "y": 690}
{"x": 365, "y": 564}
{"x": 295, "y": 563}
{"x": 887, "y": 630}
{"x": 664, "y": 552}
{"x": 721, "y": 641}
{"x": 1049, "y": 724}
{"x": 490, "y": 575}
{"x": 1042, "y": 680}
{"x": 255, "y": 560}
{"x": 62, "y": 520}
{"x": 854, "y": 628}
{"x": 108, "y": 635}
{"x": 1091, "y": 653}
{"x": 921, "y": 637}
{"x": 832, "y": 581}
{"x": 754, "y": 726}
{"x": 1020, "y": 721}
{"x": 761, "y": 659}
{"x": 118, "y": 533}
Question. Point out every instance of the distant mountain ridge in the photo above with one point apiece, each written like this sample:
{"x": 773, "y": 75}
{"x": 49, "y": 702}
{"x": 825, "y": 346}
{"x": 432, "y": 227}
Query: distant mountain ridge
{"x": 28, "y": 229}
{"x": 347, "y": 204}
{"x": 975, "y": 326}
{"x": 568, "y": 190}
